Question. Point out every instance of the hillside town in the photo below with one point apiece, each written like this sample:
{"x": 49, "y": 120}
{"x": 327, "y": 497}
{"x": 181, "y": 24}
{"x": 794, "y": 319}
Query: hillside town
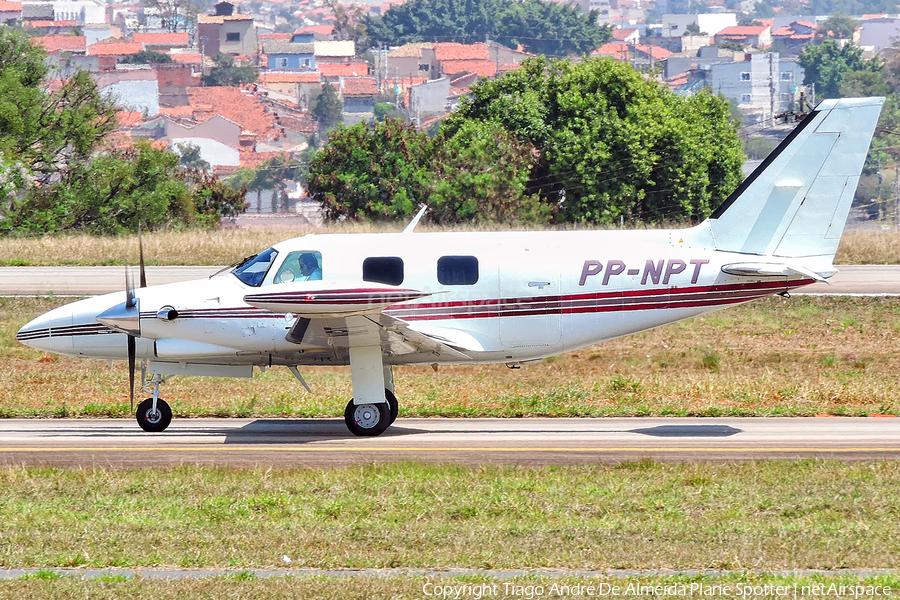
{"x": 158, "y": 61}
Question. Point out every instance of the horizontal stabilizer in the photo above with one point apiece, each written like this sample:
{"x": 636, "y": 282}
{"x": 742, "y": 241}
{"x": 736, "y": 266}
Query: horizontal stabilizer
{"x": 770, "y": 270}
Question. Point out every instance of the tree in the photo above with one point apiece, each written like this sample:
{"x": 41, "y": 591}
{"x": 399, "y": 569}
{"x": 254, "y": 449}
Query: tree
{"x": 225, "y": 73}
{"x": 826, "y": 64}
{"x": 191, "y": 157}
{"x": 542, "y": 27}
{"x": 348, "y": 24}
{"x": 49, "y": 133}
{"x": 146, "y": 57}
{"x": 327, "y": 108}
{"x": 611, "y": 144}
{"x": 174, "y": 14}
{"x": 379, "y": 172}
{"x": 838, "y": 26}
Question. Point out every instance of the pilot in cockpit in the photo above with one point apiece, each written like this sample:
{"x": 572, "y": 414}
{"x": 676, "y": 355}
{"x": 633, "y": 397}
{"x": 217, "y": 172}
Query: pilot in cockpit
{"x": 309, "y": 267}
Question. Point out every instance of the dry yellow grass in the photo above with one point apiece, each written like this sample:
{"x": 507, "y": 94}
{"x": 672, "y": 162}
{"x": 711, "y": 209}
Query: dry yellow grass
{"x": 224, "y": 246}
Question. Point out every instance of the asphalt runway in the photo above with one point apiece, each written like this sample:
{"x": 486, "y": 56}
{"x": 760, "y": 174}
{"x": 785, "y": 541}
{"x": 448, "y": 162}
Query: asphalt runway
{"x": 87, "y": 281}
{"x": 326, "y": 443}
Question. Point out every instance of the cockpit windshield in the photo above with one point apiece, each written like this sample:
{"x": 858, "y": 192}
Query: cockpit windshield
{"x": 253, "y": 271}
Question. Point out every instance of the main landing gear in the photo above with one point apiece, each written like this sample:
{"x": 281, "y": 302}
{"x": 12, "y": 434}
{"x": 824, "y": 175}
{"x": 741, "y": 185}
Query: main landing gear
{"x": 153, "y": 414}
{"x": 371, "y": 419}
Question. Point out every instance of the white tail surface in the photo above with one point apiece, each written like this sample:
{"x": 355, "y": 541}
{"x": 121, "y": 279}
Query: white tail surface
{"x": 795, "y": 204}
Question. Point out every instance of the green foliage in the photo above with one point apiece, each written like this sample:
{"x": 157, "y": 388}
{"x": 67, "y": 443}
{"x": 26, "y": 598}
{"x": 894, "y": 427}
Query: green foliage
{"x": 731, "y": 45}
{"x": 839, "y": 26}
{"x": 50, "y": 133}
{"x": 542, "y": 27}
{"x": 850, "y": 7}
{"x": 225, "y": 73}
{"x": 826, "y": 64}
{"x": 612, "y": 144}
{"x": 146, "y": 57}
{"x": 327, "y": 108}
{"x": 190, "y": 157}
{"x": 482, "y": 174}
{"x": 385, "y": 110}
{"x": 372, "y": 173}
{"x": 859, "y": 84}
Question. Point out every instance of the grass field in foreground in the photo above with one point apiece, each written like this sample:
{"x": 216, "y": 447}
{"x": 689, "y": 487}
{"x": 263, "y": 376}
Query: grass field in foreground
{"x": 223, "y": 247}
{"x": 798, "y": 356}
{"x": 764, "y": 516}
{"x": 400, "y": 588}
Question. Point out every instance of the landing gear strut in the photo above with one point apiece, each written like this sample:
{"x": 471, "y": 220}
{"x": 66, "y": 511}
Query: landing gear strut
{"x": 154, "y": 413}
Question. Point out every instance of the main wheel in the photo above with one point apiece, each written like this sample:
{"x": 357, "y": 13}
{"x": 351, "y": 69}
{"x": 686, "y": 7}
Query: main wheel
{"x": 154, "y": 421}
{"x": 367, "y": 419}
{"x": 392, "y": 403}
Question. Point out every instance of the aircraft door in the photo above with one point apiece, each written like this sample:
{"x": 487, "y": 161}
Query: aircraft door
{"x": 530, "y": 304}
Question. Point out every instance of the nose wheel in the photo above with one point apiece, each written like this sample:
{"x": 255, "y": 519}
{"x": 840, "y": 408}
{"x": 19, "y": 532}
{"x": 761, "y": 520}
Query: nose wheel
{"x": 154, "y": 419}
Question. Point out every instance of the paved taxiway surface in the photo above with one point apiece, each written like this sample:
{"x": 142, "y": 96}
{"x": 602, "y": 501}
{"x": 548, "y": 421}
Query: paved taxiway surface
{"x": 82, "y": 281}
{"x": 326, "y": 442}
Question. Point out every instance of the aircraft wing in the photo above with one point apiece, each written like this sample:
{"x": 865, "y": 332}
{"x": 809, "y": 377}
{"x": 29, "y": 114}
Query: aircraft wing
{"x": 395, "y": 337}
{"x": 341, "y": 314}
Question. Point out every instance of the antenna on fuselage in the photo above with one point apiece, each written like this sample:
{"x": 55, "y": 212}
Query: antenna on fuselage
{"x": 416, "y": 219}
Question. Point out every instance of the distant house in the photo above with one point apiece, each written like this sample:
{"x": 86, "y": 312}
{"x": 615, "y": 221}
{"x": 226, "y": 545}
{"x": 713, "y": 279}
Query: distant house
{"x": 289, "y": 56}
{"x": 10, "y": 12}
{"x": 334, "y": 51}
{"x": 226, "y": 32}
{"x": 76, "y": 44}
{"x": 412, "y": 60}
{"x": 319, "y": 32}
{"x": 759, "y": 36}
{"x": 162, "y": 42}
{"x": 750, "y": 84}
{"x": 359, "y": 98}
{"x": 793, "y": 36}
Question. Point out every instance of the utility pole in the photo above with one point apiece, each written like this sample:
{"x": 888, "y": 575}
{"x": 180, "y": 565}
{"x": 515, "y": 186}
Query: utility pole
{"x": 771, "y": 89}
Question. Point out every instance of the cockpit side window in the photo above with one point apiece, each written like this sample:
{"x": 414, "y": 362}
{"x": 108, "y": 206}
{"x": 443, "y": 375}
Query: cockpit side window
{"x": 254, "y": 270}
{"x": 305, "y": 265}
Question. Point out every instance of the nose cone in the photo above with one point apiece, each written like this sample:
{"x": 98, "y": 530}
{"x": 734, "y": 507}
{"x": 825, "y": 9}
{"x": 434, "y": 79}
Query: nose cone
{"x": 51, "y": 332}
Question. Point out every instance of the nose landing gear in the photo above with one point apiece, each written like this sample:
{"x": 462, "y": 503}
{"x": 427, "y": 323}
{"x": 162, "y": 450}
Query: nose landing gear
{"x": 153, "y": 414}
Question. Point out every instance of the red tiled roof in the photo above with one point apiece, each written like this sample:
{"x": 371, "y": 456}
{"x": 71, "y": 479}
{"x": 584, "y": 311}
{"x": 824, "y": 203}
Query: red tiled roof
{"x": 805, "y": 24}
{"x": 743, "y": 30}
{"x": 64, "y": 43}
{"x": 236, "y": 105}
{"x": 114, "y": 48}
{"x": 265, "y": 78}
{"x": 873, "y": 16}
{"x": 510, "y": 67}
{"x": 783, "y": 32}
{"x": 356, "y": 69}
{"x": 657, "y": 52}
{"x": 187, "y": 59}
{"x": 802, "y": 36}
{"x": 174, "y": 39}
{"x": 275, "y": 36}
{"x": 483, "y": 68}
{"x": 358, "y": 86}
{"x": 176, "y": 111}
{"x": 617, "y": 50}
{"x": 452, "y": 51}
{"x": 10, "y": 6}
{"x": 128, "y": 119}
{"x": 320, "y": 29}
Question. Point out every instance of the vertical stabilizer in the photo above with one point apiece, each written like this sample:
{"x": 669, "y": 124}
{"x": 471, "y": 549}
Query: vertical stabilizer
{"x": 796, "y": 202}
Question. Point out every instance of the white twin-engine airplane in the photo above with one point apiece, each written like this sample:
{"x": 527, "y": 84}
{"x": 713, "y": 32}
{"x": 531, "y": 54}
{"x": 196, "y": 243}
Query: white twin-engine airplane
{"x": 378, "y": 300}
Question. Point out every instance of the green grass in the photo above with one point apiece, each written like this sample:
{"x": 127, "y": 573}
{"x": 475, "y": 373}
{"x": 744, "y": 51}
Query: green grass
{"x": 464, "y": 588}
{"x": 767, "y": 516}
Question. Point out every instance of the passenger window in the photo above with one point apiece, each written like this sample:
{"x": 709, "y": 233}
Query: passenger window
{"x": 457, "y": 270}
{"x": 383, "y": 269}
{"x": 304, "y": 265}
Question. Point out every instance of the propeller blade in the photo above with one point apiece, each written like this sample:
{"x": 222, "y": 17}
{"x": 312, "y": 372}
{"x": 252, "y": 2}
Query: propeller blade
{"x": 132, "y": 360}
{"x": 141, "y": 248}
{"x": 129, "y": 289}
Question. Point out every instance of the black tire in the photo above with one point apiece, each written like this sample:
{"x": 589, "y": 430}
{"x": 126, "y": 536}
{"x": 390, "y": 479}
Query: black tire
{"x": 392, "y": 403}
{"x": 150, "y": 422}
{"x": 367, "y": 420}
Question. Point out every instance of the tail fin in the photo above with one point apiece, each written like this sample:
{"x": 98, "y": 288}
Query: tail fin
{"x": 796, "y": 202}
